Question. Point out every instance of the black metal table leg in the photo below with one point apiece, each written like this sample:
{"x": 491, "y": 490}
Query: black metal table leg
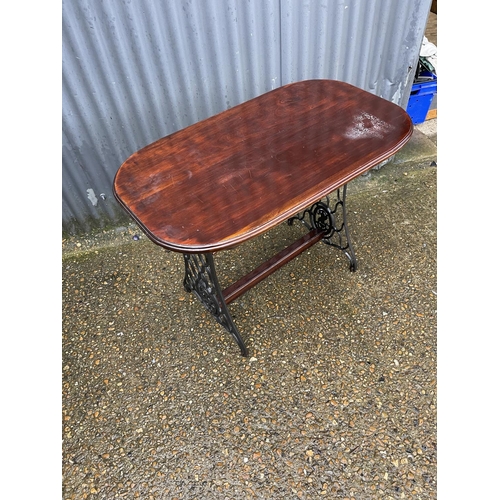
{"x": 201, "y": 279}
{"x": 323, "y": 217}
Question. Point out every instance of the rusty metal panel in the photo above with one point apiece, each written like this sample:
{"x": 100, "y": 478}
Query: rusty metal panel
{"x": 136, "y": 71}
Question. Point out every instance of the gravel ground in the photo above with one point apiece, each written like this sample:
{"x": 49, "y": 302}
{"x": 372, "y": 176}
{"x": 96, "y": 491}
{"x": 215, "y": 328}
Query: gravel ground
{"x": 336, "y": 400}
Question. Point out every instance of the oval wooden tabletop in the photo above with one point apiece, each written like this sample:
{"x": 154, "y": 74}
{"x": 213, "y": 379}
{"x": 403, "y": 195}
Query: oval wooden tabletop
{"x": 235, "y": 175}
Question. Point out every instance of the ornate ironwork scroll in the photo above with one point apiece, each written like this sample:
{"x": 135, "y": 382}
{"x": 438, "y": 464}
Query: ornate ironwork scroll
{"x": 324, "y": 217}
{"x": 201, "y": 279}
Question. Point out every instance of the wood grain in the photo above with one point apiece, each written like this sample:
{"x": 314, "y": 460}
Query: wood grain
{"x": 235, "y": 175}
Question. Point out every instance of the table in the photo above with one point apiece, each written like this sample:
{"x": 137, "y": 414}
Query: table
{"x": 275, "y": 158}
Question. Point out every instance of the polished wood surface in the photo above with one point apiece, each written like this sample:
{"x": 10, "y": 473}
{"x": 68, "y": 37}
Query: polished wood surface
{"x": 235, "y": 175}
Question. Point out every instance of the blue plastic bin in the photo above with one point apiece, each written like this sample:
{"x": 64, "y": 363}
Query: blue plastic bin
{"x": 421, "y": 97}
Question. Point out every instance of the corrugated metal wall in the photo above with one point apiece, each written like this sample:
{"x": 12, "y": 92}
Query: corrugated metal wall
{"x": 135, "y": 71}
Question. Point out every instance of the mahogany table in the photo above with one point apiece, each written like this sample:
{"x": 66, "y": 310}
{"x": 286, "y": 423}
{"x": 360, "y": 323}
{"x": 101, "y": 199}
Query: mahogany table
{"x": 275, "y": 158}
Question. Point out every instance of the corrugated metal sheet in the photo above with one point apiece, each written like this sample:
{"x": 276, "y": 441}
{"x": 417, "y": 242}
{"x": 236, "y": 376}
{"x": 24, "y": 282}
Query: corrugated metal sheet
{"x": 371, "y": 44}
{"x": 135, "y": 71}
